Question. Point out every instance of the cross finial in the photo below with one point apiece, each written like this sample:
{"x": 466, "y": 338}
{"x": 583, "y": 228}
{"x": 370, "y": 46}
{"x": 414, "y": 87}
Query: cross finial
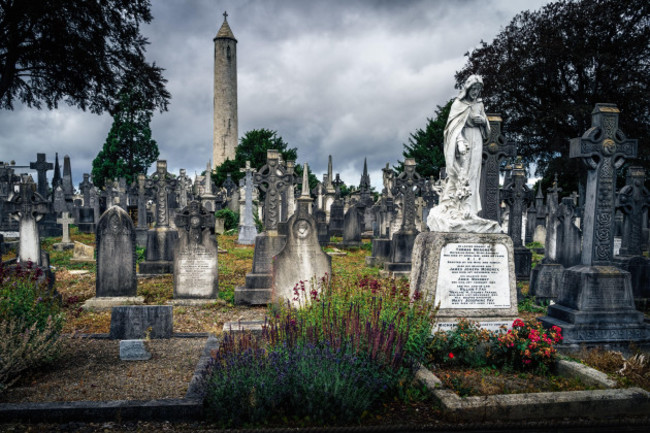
{"x": 225, "y": 16}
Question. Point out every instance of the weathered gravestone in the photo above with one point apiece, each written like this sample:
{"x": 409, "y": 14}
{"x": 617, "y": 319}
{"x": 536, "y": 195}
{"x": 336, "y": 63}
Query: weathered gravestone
{"x": 352, "y": 227}
{"x": 141, "y": 321}
{"x": 66, "y": 243}
{"x": 195, "y": 255}
{"x": 407, "y": 184}
{"x": 116, "y": 281}
{"x": 384, "y": 209}
{"x": 569, "y": 236}
{"x": 271, "y": 179}
{"x": 247, "y": 230}
{"x": 337, "y": 210}
{"x": 160, "y": 239}
{"x": 634, "y": 200}
{"x": 82, "y": 253}
{"x": 595, "y": 304}
{"x": 85, "y": 215}
{"x": 298, "y": 270}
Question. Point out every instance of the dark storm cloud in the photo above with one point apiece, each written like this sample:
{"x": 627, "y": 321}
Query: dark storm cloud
{"x": 350, "y": 79}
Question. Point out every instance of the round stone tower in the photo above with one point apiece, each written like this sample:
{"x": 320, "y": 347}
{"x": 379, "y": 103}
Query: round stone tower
{"x": 225, "y": 95}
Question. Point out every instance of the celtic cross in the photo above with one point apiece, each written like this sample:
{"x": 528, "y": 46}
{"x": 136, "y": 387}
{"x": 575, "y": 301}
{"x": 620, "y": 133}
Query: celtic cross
{"x": 272, "y": 179}
{"x": 495, "y": 149}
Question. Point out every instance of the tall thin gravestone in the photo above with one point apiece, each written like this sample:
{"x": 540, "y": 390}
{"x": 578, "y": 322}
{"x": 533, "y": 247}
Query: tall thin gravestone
{"x": 271, "y": 179}
{"x": 248, "y": 230}
{"x": 595, "y": 303}
{"x": 495, "y": 149}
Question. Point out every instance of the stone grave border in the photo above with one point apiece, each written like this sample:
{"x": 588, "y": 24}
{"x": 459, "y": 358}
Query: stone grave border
{"x": 560, "y": 405}
{"x": 189, "y": 407}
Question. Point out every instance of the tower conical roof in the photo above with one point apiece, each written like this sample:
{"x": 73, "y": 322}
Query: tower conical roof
{"x": 225, "y": 32}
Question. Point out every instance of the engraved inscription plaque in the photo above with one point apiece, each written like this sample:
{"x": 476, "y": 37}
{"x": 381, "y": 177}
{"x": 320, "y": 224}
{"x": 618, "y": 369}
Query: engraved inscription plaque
{"x": 473, "y": 275}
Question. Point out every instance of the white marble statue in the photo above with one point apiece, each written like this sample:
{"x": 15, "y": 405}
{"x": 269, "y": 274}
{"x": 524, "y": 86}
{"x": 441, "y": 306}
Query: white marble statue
{"x": 460, "y": 201}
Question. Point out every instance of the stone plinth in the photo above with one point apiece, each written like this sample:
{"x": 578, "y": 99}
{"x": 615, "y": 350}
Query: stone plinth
{"x": 595, "y": 306}
{"x": 130, "y": 323}
{"x": 639, "y": 269}
{"x": 523, "y": 263}
{"x": 160, "y": 251}
{"x": 545, "y": 281}
{"x": 468, "y": 274}
{"x": 259, "y": 281}
{"x": 380, "y": 252}
{"x": 401, "y": 249}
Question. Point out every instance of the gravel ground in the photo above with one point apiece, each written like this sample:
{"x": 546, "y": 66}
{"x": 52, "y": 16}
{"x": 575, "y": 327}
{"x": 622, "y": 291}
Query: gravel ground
{"x": 91, "y": 369}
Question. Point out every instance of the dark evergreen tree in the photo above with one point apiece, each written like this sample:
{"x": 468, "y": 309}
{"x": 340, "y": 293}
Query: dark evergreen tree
{"x": 129, "y": 149}
{"x": 252, "y": 147}
{"x": 78, "y": 51}
{"x": 427, "y": 145}
{"x": 547, "y": 69}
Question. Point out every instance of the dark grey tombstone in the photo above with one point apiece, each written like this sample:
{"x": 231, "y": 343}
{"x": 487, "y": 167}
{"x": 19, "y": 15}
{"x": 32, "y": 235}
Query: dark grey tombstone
{"x": 408, "y": 184}
{"x": 271, "y": 179}
{"x": 321, "y": 226}
{"x": 195, "y": 254}
{"x": 141, "y": 321}
{"x": 517, "y": 196}
{"x": 352, "y": 227}
{"x": 569, "y": 236}
{"x": 115, "y": 238}
{"x": 66, "y": 183}
{"x": 495, "y": 149}
{"x": 41, "y": 166}
{"x": 337, "y": 209}
{"x": 595, "y": 304}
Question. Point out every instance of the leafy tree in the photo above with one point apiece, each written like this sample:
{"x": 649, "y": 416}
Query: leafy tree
{"x": 129, "y": 149}
{"x": 547, "y": 69}
{"x": 252, "y": 147}
{"x": 78, "y": 51}
{"x": 427, "y": 145}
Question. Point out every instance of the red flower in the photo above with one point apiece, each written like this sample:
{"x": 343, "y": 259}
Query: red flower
{"x": 451, "y": 355}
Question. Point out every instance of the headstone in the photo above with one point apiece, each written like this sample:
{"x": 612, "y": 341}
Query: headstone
{"x": 633, "y": 200}
{"x": 517, "y": 196}
{"x": 407, "y": 185}
{"x": 336, "y": 210}
{"x": 271, "y": 179}
{"x": 66, "y": 182}
{"x": 183, "y": 188}
{"x": 569, "y": 237}
{"x": 247, "y": 230}
{"x": 352, "y": 228}
{"x": 59, "y": 204}
{"x": 41, "y": 166}
{"x": 66, "y": 243}
{"x": 330, "y": 195}
{"x": 82, "y": 253}
{"x": 301, "y": 264}
{"x": 595, "y": 304}
{"x": 160, "y": 239}
{"x": 195, "y": 255}
{"x": 495, "y": 149}
{"x": 116, "y": 259}
{"x": 141, "y": 321}
{"x": 27, "y": 207}
{"x": 143, "y": 226}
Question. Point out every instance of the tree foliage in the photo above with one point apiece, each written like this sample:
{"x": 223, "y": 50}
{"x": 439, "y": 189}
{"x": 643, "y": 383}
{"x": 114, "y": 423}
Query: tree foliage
{"x": 427, "y": 145}
{"x": 129, "y": 149}
{"x": 252, "y": 147}
{"x": 78, "y": 51}
{"x": 547, "y": 69}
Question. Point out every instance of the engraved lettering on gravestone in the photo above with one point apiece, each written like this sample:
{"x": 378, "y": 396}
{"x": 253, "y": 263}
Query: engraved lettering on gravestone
{"x": 473, "y": 276}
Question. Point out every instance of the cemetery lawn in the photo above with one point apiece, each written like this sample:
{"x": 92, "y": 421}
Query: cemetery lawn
{"x": 631, "y": 370}
{"x": 467, "y": 382}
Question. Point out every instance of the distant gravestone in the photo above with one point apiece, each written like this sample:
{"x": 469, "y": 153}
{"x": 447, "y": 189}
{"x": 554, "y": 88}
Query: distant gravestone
{"x": 115, "y": 240}
{"x": 195, "y": 255}
{"x": 66, "y": 243}
{"x": 134, "y": 350}
{"x": 352, "y": 227}
{"x": 247, "y": 230}
{"x": 41, "y": 166}
{"x": 82, "y": 253}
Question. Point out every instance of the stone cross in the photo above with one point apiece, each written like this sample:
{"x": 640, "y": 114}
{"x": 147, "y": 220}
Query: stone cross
{"x": 603, "y": 149}
{"x": 633, "y": 200}
{"x": 193, "y": 219}
{"x": 28, "y": 207}
{"x": 65, "y": 222}
{"x": 162, "y": 184}
{"x": 408, "y": 184}
{"x": 229, "y": 185}
{"x": 495, "y": 149}
{"x": 41, "y": 167}
{"x": 518, "y": 196}
{"x": 272, "y": 179}
{"x": 85, "y": 187}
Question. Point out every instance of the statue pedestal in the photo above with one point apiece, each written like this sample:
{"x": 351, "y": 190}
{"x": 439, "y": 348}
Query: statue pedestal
{"x": 401, "y": 249}
{"x": 545, "y": 281}
{"x": 595, "y": 306}
{"x": 469, "y": 275}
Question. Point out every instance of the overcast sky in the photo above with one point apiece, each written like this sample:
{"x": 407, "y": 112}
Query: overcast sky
{"x": 340, "y": 78}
